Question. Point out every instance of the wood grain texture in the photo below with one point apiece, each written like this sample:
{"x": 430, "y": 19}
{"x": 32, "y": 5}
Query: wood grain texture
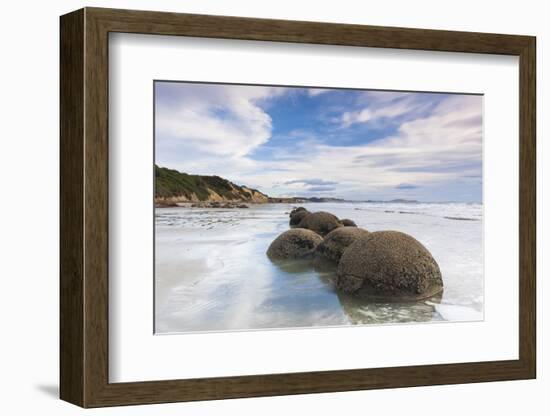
{"x": 225, "y": 27}
{"x": 84, "y": 207}
{"x": 96, "y": 208}
{"x": 71, "y": 208}
{"x": 527, "y": 208}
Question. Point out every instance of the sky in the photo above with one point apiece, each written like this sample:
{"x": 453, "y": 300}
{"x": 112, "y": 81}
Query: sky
{"x": 341, "y": 143}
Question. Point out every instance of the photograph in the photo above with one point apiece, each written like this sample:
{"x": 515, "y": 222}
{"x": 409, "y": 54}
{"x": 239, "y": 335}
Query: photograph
{"x": 292, "y": 207}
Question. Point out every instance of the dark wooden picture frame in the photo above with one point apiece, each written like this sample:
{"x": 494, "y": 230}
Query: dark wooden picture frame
{"x": 84, "y": 218}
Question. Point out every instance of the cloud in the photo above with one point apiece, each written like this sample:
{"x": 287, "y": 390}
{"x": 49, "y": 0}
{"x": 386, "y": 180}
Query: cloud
{"x": 314, "y": 92}
{"x": 384, "y": 105}
{"x": 307, "y": 187}
{"x": 353, "y": 117}
{"x": 310, "y": 182}
{"x": 406, "y": 186}
{"x": 218, "y": 119}
{"x": 321, "y": 188}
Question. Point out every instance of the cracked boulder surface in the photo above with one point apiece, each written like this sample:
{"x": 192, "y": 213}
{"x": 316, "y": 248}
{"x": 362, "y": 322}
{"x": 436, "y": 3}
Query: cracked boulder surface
{"x": 389, "y": 265}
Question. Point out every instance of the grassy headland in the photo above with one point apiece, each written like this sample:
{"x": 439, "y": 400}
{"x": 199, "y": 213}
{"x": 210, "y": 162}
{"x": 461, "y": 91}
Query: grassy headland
{"x": 172, "y": 186}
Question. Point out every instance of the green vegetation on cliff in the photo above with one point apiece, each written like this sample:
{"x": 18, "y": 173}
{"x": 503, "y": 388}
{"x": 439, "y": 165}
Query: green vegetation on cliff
{"x": 171, "y": 184}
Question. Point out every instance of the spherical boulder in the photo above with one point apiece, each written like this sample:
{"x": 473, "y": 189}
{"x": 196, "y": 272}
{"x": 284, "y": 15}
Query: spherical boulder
{"x": 337, "y": 241}
{"x": 297, "y": 243}
{"x": 320, "y": 222}
{"x": 348, "y": 223}
{"x": 388, "y": 265}
{"x": 297, "y": 216}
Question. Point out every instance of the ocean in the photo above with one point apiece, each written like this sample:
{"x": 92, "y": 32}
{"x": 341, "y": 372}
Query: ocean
{"x": 212, "y": 273}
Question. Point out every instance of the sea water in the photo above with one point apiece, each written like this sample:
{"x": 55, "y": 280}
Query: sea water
{"x": 212, "y": 273}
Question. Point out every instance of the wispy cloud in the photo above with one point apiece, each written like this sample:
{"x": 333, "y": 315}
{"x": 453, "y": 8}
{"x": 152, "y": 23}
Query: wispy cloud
{"x": 378, "y": 105}
{"x": 406, "y": 186}
{"x": 321, "y": 188}
{"x": 314, "y": 92}
{"x": 310, "y": 182}
{"x": 352, "y": 117}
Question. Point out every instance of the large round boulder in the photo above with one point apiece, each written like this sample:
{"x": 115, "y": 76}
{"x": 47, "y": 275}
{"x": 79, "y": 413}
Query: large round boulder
{"x": 297, "y": 215}
{"x": 389, "y": 265}
{"x": 297, "y": 243}
{"x": 348, "y": 223}
{"x": 337, "y": 241}
{"x": 320, "y": 222}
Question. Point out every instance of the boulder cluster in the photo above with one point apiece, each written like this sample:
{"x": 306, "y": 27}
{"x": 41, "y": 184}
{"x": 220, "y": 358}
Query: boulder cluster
{"x": 381, "y": 265}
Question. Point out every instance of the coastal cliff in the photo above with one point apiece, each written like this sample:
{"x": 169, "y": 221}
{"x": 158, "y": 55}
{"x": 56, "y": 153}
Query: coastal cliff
{"x": 173, "y": 187}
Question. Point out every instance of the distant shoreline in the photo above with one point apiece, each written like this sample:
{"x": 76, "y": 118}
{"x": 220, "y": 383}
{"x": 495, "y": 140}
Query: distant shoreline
{"x": 245, "y": 204}
{"x": 173, "y": 188}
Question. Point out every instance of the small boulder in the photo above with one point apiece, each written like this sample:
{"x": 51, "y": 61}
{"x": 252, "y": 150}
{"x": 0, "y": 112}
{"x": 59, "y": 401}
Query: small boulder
{"x": 335, "y": 242}
{"x": 297, "y": 243}
{"x": 389, "y": 265}
{"x": 320, "y": 222}
{"x": 348, "y": 223}
{"x": 297, "y": 216}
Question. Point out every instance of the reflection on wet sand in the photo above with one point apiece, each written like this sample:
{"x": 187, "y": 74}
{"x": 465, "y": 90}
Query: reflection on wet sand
{"x": 360, "y": 311}
{"x": 363, "y": 312}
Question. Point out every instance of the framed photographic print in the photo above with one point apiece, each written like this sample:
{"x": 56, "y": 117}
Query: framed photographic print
{"x": 256, "y": 207}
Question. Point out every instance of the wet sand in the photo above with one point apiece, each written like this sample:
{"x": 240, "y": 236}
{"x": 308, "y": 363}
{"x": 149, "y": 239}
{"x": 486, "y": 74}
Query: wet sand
{"x": 212, "y": 274}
